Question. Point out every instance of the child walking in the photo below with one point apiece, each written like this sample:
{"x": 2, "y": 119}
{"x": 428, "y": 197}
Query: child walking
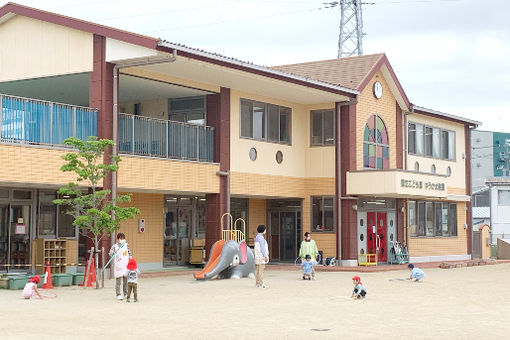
{"x": 132, "y": 279}
{"x": 30, "y": 289}
{"x": 261, "y": 255}
{"x": 307, "y": 266}
{"x": 309, "y": 247}
{"x": 416, "y": 273}
{"x": 122, "y": 255}
{"x": 359, "y": 291}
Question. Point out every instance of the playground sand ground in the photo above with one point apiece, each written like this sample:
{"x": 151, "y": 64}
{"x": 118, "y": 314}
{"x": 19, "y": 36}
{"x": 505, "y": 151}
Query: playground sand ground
{"x": 461, "y": 303}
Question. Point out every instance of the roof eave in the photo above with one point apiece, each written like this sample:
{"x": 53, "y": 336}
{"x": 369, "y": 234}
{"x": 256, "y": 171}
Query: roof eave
{"x": 462, "y": 120}
{"x": 253, "y": 68}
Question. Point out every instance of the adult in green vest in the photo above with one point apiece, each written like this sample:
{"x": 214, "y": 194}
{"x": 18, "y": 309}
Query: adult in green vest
{"x": 308, "y": 247}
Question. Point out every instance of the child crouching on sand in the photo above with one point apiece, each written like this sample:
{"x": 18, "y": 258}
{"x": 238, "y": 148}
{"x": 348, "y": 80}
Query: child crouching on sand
{"x": 30, "y": 289}
{"x": 359, "y": 291}
{"x": 416, "y": 273}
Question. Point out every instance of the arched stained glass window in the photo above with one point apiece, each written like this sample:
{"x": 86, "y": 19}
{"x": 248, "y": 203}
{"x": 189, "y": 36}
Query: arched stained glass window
{"x": 376, "y": 150}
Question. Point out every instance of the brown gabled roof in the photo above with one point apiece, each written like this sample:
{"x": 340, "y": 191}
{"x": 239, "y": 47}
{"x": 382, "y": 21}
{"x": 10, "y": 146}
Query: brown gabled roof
{"x": 348, "y": 72}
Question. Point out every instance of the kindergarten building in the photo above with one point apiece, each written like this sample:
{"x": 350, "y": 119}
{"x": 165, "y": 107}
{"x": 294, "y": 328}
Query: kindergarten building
{"x": 333, "y": 147}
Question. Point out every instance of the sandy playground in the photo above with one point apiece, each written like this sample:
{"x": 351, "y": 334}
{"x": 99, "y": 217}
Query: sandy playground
{"x": 461, "y": 303}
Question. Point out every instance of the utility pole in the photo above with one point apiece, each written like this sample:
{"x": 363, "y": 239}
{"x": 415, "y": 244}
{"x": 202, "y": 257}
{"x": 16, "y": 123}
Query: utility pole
{"x": 351, "y": 27}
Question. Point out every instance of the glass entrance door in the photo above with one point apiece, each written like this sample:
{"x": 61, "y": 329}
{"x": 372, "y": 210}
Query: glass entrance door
{"x": 177, "y": 236}
{"x": 285, "y": 231}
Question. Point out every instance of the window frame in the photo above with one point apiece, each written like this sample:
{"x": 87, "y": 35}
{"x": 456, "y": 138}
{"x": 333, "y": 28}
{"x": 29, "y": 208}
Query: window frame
{"x": 322, "y": 112}
{"x": 376, "y": 145}
{"x": 423, "y": 127}
{"x": 312, "y": 220}
{"x": 420, "y": 210}
{"x": 265, "y": 127}
{"x": 59, "y": 213}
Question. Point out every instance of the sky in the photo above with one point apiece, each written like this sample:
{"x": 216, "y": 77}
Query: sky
{"x": 449, "y": 55}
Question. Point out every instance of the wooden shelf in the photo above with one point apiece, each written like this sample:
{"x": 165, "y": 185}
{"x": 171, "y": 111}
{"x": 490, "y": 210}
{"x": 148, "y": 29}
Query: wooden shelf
{"x": 52, "y": 251}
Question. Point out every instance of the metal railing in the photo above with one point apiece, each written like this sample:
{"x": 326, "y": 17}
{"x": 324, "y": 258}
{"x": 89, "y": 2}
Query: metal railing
{"x": 33, "y": 121}
{"x": 164, "y": 138}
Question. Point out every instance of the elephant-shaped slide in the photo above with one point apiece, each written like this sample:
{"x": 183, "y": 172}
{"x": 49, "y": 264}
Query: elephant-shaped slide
{"x": 228, "y": 259}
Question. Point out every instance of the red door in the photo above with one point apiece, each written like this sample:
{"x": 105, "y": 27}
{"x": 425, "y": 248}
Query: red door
{"x": 381, "y": 237}
{"x": 371, "y": 232}
{"x": 376, "y": 235}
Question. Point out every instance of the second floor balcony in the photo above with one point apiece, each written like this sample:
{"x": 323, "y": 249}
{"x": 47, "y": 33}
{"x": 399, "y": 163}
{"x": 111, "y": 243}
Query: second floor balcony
{"x": 139, "y": 135}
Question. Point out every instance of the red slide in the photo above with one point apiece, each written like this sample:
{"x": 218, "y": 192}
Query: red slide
{"x": 217, "y": 248}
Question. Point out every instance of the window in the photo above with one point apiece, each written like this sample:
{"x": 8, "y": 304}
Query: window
{"x": 416, "y": 166}
{"x": 322, "y": 127}
{"x": 432, "y": 219}
{"x": 239, "y": 209}
{"x": 376, "y": 154}
{"x": 187, "y": 110}
{"x": 433, "y": 169}
{"x": 323, "y": 214}
{"x": 430, "y": 141}
{"x": 504, "y": 197}
{"x": 265, "y": 121}
{"x": 53, "y": 220}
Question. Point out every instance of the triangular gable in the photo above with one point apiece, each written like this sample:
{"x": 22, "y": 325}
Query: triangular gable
{"x": 11, "y": 9}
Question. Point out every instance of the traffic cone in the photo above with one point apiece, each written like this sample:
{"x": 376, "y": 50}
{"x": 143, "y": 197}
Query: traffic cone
{"x": 48, "y": 284}
{"x": 92, "y": 275}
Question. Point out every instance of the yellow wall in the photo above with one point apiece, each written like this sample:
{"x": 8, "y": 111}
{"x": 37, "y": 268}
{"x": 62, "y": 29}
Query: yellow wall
{"x": 33, "y": 48}
{"x": 386, "y": 108}
{"x": 457, "y": 178}
{"x": 436, "y": 246}
{"x": 146, "y": 247}
{"x": 29, "y": 165}
{"x": 154, "y": 174}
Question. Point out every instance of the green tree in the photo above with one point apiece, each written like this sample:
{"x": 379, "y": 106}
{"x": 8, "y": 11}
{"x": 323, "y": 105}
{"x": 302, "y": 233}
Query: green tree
{"x": 94, "y": 210}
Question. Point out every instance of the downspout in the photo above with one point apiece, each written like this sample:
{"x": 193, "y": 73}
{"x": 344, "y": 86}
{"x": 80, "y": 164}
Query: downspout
{"x": 146, "y": 61}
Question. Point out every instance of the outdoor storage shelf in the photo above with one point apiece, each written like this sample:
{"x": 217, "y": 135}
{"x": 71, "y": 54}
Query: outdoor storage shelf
{"x": 53, "y": 252}
{"x": 60, "y": 280}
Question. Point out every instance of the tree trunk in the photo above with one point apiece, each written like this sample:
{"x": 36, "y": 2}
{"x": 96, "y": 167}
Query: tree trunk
{"x": 96, "y": 259}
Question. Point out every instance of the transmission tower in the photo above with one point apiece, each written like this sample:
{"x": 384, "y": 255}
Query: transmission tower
{"x": 351, "y": 28}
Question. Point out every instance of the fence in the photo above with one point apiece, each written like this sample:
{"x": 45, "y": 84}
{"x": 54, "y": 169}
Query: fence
{"x": 32, "y": 121}
{"x": 166, "y": 139}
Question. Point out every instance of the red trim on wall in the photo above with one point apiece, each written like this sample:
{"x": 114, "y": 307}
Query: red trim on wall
{"x": 467, "y": 136}
{"x": 348, "y": 163}
{"x": 81, "y": 25}
{"x": 384, "y": 61}
{"x": 400, "y": 138}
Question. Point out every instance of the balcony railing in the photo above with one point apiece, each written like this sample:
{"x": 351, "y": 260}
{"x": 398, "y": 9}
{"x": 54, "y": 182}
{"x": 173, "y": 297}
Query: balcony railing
{"x": 32, "y": 121}
{"x": 166, "y": 139}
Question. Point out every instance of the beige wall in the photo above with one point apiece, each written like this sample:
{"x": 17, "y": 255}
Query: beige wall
{"x": 386, "y": 108}
{"x": 256, "y": 216}
{"x": 154, "y": 108}
{"x": 29, "y": 165}
{"x": 165, "y": 175}
{"x": 146, "y": 247}
{"x": 32, "y": 48}
{"x": 437, "y": 246}
{"x": 458, "y": 167}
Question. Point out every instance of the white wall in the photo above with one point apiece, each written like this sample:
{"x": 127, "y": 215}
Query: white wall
{"x": 500, "y": 214}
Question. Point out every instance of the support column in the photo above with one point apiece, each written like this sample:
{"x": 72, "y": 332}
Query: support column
{"x": 348, "y": 146}
{"x": 218, "y": 116}
{"x": 101, "y": 98}
{"x": 469, "y": 216}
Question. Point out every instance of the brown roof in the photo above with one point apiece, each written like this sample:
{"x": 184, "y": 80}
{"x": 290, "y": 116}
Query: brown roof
{"x": 347, "y": 72}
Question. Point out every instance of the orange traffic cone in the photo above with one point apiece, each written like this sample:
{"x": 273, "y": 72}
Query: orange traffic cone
{"x": 92, "y": 275}
{"x": 48, "y": 284}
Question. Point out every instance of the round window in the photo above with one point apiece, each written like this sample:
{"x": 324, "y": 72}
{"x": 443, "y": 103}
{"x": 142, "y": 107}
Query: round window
{"x": 279, "y": 157}
{"x": 416, "y": 166}
{"x": 448, "y": 171}
{"x": 253, "y": 154}
{"x": 391, "y": 223}
{"x": 362, "y": 251}
{"x": 361, "y": 237}
{"x": 361, "y": 222}
{"x": 433, "y": 169}
{"x": 391, "y": 237}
